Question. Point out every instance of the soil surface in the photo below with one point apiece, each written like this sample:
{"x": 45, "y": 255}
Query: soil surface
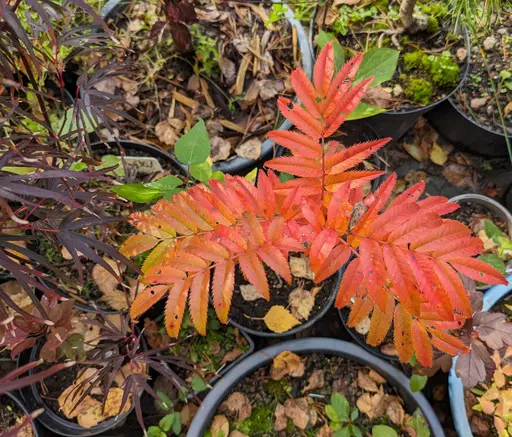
{"x": 476, "y": 98}
{"x": 469, "y": 212}
{"x": 10, "y": 414}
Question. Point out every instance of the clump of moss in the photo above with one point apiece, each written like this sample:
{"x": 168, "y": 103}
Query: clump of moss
{"x": 414, "y": 60}
{"x": 278, "y": 389}
{"x": 419, "y": 91}
{"x": 432, "y": 24}
{"x": 260, "y": 422}
{"x": 443, "y": 69}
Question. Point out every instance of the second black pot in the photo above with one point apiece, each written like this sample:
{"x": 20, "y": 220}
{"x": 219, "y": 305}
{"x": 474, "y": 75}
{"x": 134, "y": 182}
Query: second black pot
{"x": 327, "y": 346}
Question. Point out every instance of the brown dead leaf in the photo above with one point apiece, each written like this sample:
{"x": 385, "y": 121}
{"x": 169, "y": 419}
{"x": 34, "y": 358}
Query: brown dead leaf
{"x": 280, "y": 419}
{"x": 219, "y": 426}
{"x": 155, "y": 337}
{"x": 301, "y": 303}
{"x": 250, "y": 149}
{"x": 395, "y": 412}
{"x": 413, "y": 177}
{"x": 363, "y": 327}
{"x": 16, "y": 293}
{"x": 379, "y": 379}
{"x": 325, "y": 431}
{"x": 365, "y": 382}
{"x": 249, "y": 292}
{"x": 300, "y": 268}
{"x": 232, "y": 355}
{"x": 424, "y": 139}
{"x": 315, "y": 380}
{"x": 415, "y": 151}
{"x": 300, "y": 411}
{"x": 508, "y": 109}
{"x": 438, "y": 155}
{"x": 221, "y": 149}
{"x": 187, "y": 413}
{"x": 90, "y": 332}
{"x": 67, "y": 402}
{"x": 237, "y": 405}
{"x": 127, "y": 370}
{"x": 379, "y": 97}
{"x": 459, "y": 175}
{"x": 113, "y": 402}
{"x": 286, "y": 363}
{"x": 90, "y": 413}
{"x": 389, "y": 349}
{"x": 228, "y": 70}
{"x": 165, "y": 133}
{"x": 251, "y": 96}
{"x": 106, "y": 86}
{"x": 270, "y": 88}
{"x": 372, "y": 405}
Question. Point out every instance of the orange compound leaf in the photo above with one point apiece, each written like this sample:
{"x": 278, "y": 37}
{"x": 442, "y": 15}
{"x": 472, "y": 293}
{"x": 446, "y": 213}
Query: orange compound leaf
{"x": 222, "y": 289}
{"x": 438, "y": 204}
{"x": 321, "y": 246}
{"x": 226, "y": 199}
{"x": 165, "y": 211}
{"x": 391, "y": 219}
{"x": 381, "y": 322}
{"x": 354, "y": 155}
{"x": 468, "y": 246}
{"x": 436, "y": 239}
{"x": 164, "y": 275}
{"x": 247, "y": 193}
{"x": 300, "y": 118}
{"x": 266, "y": 194}
{"x": 374, "y": 271}
{"x": 447, "y": 343}
{"x": 305, "y": 91}
{"x": 412, "y": 229}
{"x": 421, "y": 344}
{"x": 194, "y": 213}
{"x": 334, "y": 261}
{"x": 275, "y": 229}
{"x": 274, "y": 258}
{"x": 332, "y": 181}
{"x": 402, "y": 333}
{"x": 340, "y": 209}
{"x": 189, "y": 263}
{"x": 152, "y": 225}
{"x": 297, "y": 166}
{"x": 324, "y": 70}
{"x": 207, "y": 250}
{"x": 213, "y": 206}
{"x": 297, "y": 143}
{"x": 253, "y": 270}
{"x": 349, "y": 285}
{"x": 136, "y": 244}
{"x": 313, "y": 214}
{"x": 478, "y": 270}
{"x": 175, "y": 307}
{"x": 253, "y": 229}
{"x": 198, "y": 300}
{"x": 454, "y": 287}
{"x": 360, "y": 309}
{"x": 146, "y": 299}
{"x": 402, "y": 279}
{"x": 230, "y": 239}
{"x": 412, "y": 194}
{"x": 157, "y": 255}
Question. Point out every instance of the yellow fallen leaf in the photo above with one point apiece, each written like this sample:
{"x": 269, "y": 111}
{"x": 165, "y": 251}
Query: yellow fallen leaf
{"x": 287, "y": 363}
{"x": 279, "y": 319}
{"x": 438, "y": 155}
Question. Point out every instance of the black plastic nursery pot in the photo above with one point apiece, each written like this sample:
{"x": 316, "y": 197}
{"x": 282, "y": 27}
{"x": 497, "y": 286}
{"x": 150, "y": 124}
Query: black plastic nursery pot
{"x": 52, "y": 421}
{"x": 238, "y": 165}
{"x": 464, "y": 132}
{"x": 15, "y": 399}
{"x": 327, "y": 346}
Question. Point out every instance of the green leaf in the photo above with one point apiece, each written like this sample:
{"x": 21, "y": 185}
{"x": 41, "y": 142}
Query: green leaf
{"x": 218, "y": 175}
{"x": 492, "y": 231}
{"x": 413, "y": 361}
{"x": 110, "y": 161}
{"x": 197, "y": 384}
{"x": 194, "y": 147}
{"x": 339, "y": 57}
{"x": 78, "y": 166}
{"x": 138, "y": 193}
{"x": 22, "y": 170}
{"x": 166, "y": 403}
{"x": 166, "y": 183}
{"x": 155, "y": 431}
{"x": 364, "y": 110}
{"x": 341, "y": 405}
{"x": 69, "y": 124}
{"x": 202, "y": 172}
{"x": 380, "y": 63}
{"x": 342, "y": 432}
{"x": 355, "y": 431}
{"x": 354, "y": 415}
{"x": 417, "y": 382}
{"x": 494, "y": 261}
{"x": 166, "y": 422}
{"x": 285, "y": 177}
{"x": 331, "y": 413}
{"x": 417, "y": 422}
{"x": 251, "y": 176}
{"x": 383, "y": 431}
{"x": 176, "y": 426}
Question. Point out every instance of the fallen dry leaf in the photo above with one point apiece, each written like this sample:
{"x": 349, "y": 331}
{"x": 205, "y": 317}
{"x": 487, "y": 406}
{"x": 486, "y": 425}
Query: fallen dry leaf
{"x": 301, "y": 303}
{"x": 67, "y": 401}
{"x": 219, "y": 426}
{"x": 232, "y": 355}
{"x": 300, "y": 411}
{"x": 251, "y": 96}
{"x": 237, "y": 433}
{"x": 187, "y": 413}
{"x": 90, "y": 413}
{"x": 270, "y": 88}
{"x": 379, "y": 379}
{"x": 228, "y": 70}
{"x": 372, "y": 405}
{"x": 113, "y": 402}
{"x": 315, "y": 380}
{"x": 221, "y": 149}
{"x": 325, "y": 431}
{"x": 365, "y": 382}
{"x": 459, "y": 175}
{"x": 389, "y": 349}
{"x": 395, "y": 412}
{"x": 280, "y": 419}
{"x": 363, "y": 327}
{"x": 413, "y": 177}
{"x": 438, "y": 155}
{"x": 379, "y": 97}
{"x": 508, "y": 109}
{"x": 16, "y": 293}
{"x": 300, "y": 268}
{"x": 165, "y": 133}
{"x": 90, "y": 332}
{"x": 249, "y": 292}
{"x": 237, "y": 405}
{"x": 250, "y": 149}
{"x": 279, "y": 319}
{"x": 286, "y": 363}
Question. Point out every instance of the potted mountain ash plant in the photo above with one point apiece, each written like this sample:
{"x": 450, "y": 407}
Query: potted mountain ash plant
{"x": 405, "y": 255}
{"x": 192, "y": 61}
{"x": 432, "y": 57}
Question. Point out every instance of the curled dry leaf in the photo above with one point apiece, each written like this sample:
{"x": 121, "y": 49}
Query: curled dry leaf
{"x": 301, "y": 412}
{"x": 187, "y": 413}
{"x": 237, "y": 405}
{"x": 16, "y": 293}
{"x": 372, "y": 405}
{"x": 315, "y": 381}
{"x": 270, "y": 88}
{"x": 439, "y": 155}
{"x": 395, "y": 412}
{"x": 232, "y": 355}
{"x": 365, "y": 382}
{"x": 113, "y": 402}
{"x": 301, "y": 303}
{"x": 280, "y": 418}
{"x": 279, "y": 319}
{"x": 90, "y": 413}
{"x": 379, "y": 97}
{"x": 90, "y": 332}
{"x": 249, "y": 292}
{"x": 220, "y": 150}
{"x": 286, "y": 363}
{"x": 377, "y": 377}
{"x": 325, "y": 431}
{"x": 228, "y": 70}
{"x": 300, "y": 268}
{"x": 166, "y": 133}
{"x": 250, "y": 149}
{"x": 219, "y": 426}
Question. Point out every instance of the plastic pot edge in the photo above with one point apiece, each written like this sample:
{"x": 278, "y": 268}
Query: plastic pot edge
{"x": 328, "y": 346}
{"x": 455, "y": 388}
{"x": 21, "y": 405}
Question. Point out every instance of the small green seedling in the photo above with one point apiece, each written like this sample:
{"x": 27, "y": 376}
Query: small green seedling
{"x": 170, "y": 424}
{"x": 341, "y": 417}
{"x": 504, "y": 250}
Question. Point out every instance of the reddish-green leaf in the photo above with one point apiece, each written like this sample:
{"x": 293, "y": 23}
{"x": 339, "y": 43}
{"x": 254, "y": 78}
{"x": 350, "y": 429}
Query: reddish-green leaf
{"x": 478, "y": 270}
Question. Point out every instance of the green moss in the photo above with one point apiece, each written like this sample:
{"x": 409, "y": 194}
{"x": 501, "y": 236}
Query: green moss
{"x": 260, "y": 423}
{"x": 278, "y": 389}
{"x": 419, "y": 91}
{"x": 432, "y": 24}
{"x": 414, "y": 60}
{"x": 49, "y": 251}
{"x": 444, "y": 69}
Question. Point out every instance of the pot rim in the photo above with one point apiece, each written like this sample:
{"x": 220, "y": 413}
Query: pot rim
{"x": 326, "y": 346}
{"x": 455, "y": 387}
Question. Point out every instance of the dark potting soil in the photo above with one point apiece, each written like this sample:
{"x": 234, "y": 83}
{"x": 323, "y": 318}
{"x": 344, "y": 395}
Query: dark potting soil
{"x": 476, "y": 98}
{"x": 340, "y": 375}
{"x": 377, "y": 24}
{"x": 9, "y": 413}
{"x": 243, "y": 312}
{"x": 469, "y": 211}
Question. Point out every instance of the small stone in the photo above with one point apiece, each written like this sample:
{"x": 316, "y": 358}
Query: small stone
{"x": 397, "y": 90}
{"x": 478, "y": 102}
{"x": 503, "y": 31}
{"x": 461, "y": 54}
{"x": 489, "y": 42}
